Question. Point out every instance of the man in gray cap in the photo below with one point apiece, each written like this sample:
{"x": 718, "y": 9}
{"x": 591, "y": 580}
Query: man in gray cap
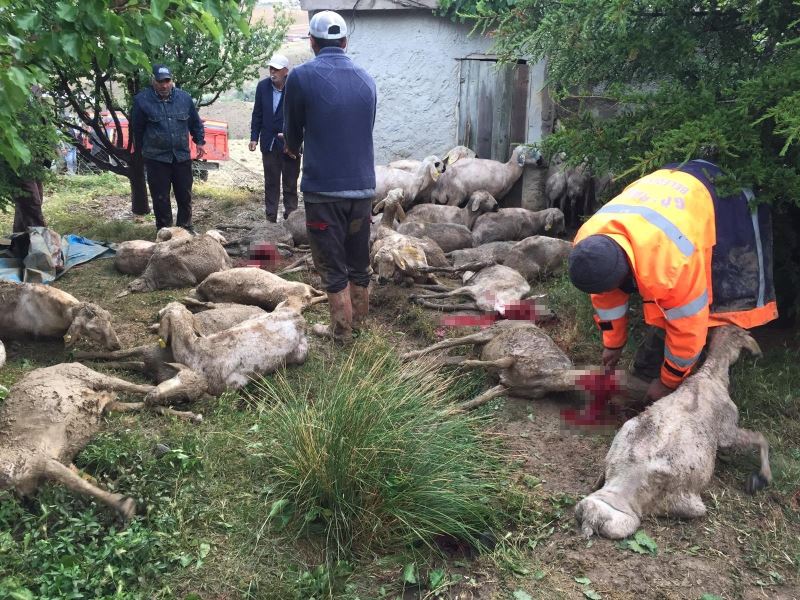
{"x": 162, "y": 119}
{"x": 267, "y": 124}
{"x": 330, "y": 109}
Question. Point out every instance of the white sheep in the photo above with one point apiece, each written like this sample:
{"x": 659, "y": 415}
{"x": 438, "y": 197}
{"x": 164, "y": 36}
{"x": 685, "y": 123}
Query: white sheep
{"x": 35, "y": 310}
{"x": 448, "y": 236}
{"x": 47, "y": 418}
{"x": 492, "y": 289}
{"x": 453, "y": 156}
{"x": 662, "y": 460}
{"x": 228, "y": 359}
{"x": 473, "y": 174}
{"x": 479, "y": 202}
{"x": 412, "y": 184}
{"x": 509, "y": 224}
{"x": 537, "y": 256}
{"x": 182, "y": 262}
{"x": 250, "y": 285}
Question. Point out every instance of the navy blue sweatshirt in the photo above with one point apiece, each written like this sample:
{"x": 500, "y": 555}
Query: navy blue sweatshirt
{"x": 329, "y": 106}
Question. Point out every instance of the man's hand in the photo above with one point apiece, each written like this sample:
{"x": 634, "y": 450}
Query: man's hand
{"x": 280, "y": 136}
{"x": 201, "y": 152}
{"x": 289, "y": 153}
{"x": 611, "y": 356}
{"x": 657, "y": 390}
{"x": 252, "y": 146}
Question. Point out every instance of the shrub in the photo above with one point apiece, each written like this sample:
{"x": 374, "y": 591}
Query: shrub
{"x": 371, "y": 453}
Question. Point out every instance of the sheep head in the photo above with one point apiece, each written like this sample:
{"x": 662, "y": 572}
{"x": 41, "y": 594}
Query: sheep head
{"x": 94, "y": 323}
{"x": 431, "y": 167}
{"x": 554, "y": 221}
{"x": 166, "y": 317}
{"x": 213, "y": 233}
{"x": 456, "y": 154}
{"x": 482, "y": 202}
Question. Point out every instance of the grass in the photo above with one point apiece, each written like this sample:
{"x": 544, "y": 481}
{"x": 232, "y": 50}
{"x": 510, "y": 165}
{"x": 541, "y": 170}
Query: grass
{"x": 370, "y": 456}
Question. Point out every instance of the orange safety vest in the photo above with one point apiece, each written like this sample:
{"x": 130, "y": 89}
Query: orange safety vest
{"x": 665, "y": 223}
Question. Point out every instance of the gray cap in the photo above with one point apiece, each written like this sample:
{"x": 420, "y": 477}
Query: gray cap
{"x": 327, "y": 25}
{"x": 597, "y": 264}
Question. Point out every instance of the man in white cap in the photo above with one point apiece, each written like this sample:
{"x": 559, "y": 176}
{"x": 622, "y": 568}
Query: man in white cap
{"x": 267, "y": 124}
{"x": 330, "y": 109}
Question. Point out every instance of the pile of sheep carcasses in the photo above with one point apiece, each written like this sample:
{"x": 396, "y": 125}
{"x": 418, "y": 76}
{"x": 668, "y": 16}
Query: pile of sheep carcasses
{"x": 243, "y": 322}
{"x": 436, "y": 216}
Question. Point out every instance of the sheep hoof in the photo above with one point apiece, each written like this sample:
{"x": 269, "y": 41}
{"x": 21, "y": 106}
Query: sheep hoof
{"x": 755, "y": 482}
{"x": 126, "y": 509}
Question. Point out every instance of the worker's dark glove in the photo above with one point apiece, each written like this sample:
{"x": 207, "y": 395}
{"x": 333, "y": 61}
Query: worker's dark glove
{"x": 611, "y": 356}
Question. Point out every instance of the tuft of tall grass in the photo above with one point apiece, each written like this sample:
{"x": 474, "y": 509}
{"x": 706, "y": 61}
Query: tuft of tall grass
{"x": 371, "y": 453}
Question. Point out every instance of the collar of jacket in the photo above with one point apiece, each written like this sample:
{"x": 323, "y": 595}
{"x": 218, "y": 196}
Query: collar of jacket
{"x": 159, "y": 98}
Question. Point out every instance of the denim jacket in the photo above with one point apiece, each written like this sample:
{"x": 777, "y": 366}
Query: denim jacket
{"x": 161, "y": 128}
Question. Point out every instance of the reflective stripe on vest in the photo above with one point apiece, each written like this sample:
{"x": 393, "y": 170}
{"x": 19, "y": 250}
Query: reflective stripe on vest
{"x": 688, "y": 309}
{"x": 681, "y": 362}
{"x": 610, "y": 314}
{"x": 657, "y": 220}
{"x": 748, "y": 193}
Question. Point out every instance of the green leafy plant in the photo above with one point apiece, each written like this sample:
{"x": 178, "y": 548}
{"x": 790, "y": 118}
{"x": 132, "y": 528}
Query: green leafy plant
{"x": 369, "y": 453}
{"x": 641, "y": 543}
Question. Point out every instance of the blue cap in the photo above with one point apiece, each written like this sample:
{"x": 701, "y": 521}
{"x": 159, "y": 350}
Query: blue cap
{"x": 161, "y": 72}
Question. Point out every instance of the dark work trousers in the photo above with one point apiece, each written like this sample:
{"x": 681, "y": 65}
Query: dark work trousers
{"x": 28, "y": 206}
{"x": 650, "y": 355}
{"x": 161, "y": 177}
{"x": 338, "y": 233}
{"x": 277, "y": 165}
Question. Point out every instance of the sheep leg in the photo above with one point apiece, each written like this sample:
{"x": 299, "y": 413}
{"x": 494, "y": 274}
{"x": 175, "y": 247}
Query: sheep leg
{"x": 136, "y": 351}
{"x": 292, "y": 270}
{"x": 162, "y": 410}
{"x": 483, "y": 398}
{"x": 461, "y": 291}
{"x": 302, "y": 261}
{"x": 501, "y": 363}
{"x": 54, "y": 470}
{"x": 684, "y": 506}
{"x": 447, "y": 307}
{"x": 115, "y": 384}
{"x": 128, "y": 365}
{"x": 473, "y": 266}
{"x": 743, "y": 439}
{"x": 433, "y": 288}
{"x": 317, "y": 300}
{"x": 194, "y": 303}
{"x": 479, "y": 337}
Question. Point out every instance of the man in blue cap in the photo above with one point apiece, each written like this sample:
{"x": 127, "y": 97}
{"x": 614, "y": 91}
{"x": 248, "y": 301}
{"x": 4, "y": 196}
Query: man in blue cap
{"x": 330, "y": 109}
{"x": 162, "y": 119}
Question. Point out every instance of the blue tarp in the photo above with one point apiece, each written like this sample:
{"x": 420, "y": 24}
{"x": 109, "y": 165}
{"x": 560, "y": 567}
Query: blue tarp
{"x": 75, "y": 250}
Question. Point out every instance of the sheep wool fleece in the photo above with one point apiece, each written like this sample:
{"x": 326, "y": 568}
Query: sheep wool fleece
{"x": 699, "y": 261}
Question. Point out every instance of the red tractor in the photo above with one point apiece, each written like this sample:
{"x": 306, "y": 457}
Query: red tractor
{"x": 216, "y": 134}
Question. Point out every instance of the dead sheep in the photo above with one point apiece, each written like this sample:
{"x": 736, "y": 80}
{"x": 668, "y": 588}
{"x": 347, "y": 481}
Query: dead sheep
{"x": 512, "y": 224}
{"x": 538, "y": 256}
{"x": 413, "y": 184}
{"x": 491, "y": 253}
{"x": 448, "y": 236}
{"x": 473, "y": 174}
{"x": 524, "y": 360}
{"x": 230, "y": 358}
{"x": 479, "y": 202}
{"x": 47, "y": 418}
{"x": 253, "y": 286}
{"x": 662, "y": 460}
{"x": 492, "y": 289}
{"x": 182, "y": 262}
{"x": 36, "y": 310}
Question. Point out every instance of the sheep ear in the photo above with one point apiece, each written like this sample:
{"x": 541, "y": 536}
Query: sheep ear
{"x": 379, "y": 207}
{"x": 434, "y": 173}
{"x": 400, "y": 215}
{"x": 548, "y": 223}
{"x": 475, "y": 204}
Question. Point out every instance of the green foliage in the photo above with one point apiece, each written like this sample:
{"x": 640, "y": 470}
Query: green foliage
{"x": 64, "y": 546}
{"x": 369, "y": 454}
{"x": 41, "y": 39}
{"x": 41, "y": 140}
{"x": 708, "y": 79}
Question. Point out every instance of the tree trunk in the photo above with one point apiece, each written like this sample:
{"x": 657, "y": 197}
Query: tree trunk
{"x": 139, "y": 202}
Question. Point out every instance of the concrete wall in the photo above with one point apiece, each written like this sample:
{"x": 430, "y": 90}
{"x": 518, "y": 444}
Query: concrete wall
{"x": 412, "y": 55}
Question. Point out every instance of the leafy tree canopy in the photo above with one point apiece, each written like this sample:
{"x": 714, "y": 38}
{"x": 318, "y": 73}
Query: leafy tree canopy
{"x": 718, "y": 79}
